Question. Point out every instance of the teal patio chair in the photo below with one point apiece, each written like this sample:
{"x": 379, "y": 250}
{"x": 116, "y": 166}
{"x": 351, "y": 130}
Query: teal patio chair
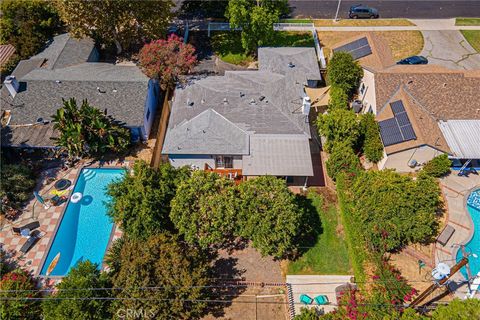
{"x": 321, "y": 300}
{"x": 305, "y": 299}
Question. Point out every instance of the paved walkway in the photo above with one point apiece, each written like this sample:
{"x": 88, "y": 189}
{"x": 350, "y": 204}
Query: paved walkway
{"x": 420, "y": 25}
{"x": 456, "y": 190}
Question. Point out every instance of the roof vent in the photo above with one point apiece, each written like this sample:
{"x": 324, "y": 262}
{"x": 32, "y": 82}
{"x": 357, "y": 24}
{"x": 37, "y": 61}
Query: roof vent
{"x": 291, "y": 65}
{"x": 58, "y": 81}
{"x": 39, "y": 120}
{"x": 253, "y": 101}
{"x": 114, "y": 90}
{"x": 242, "y": 94}
{"x": 410, "y": 82}
{"x": 190, "y": 103}
{"x": 100, "y": 90}
{"x": 202, "y": 101}
{"x": 225, "y": 101}
{"x": 445, "y": 85}
{"x": 261, "y": 98}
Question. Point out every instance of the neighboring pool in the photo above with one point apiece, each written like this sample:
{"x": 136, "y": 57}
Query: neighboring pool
{"x": 85, "y": 229}
{"x": 473, "y": 245}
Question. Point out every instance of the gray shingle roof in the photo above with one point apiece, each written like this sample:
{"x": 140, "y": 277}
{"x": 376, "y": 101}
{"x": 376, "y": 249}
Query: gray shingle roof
{"x": 267, "y": 101}
{"x": 222, "y": 136}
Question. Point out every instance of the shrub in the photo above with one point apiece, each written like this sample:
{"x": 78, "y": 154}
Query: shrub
{"x": 338, "y": 98}
{"x": 372, "y": 143}
{"x": 16, "y": 185}
{"x": 339, "y": 125}
{"x": 80, "y": 283}
{"x": 342, "y": 160}
{"x": 438, "y": 166}
{"x": 19, "y": 307}
{"x": 459, "y": 310}
{"x": 343, "y": 72}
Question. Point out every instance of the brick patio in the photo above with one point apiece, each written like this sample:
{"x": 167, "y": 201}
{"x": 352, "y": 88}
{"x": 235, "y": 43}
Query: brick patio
{"x": 48, "y": 219}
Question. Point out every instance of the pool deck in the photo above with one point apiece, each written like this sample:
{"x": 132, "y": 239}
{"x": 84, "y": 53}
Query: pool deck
{"x": 456, "y": 190}
{"x": 48, "y": 219}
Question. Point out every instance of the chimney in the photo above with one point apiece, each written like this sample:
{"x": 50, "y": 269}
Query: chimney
{"x": 12, "y": 85}
{"x": 306, "y": 106}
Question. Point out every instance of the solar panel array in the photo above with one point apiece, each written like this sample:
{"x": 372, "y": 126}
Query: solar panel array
{"x": 358, "y": 48}
{"x": 397, "y": 129}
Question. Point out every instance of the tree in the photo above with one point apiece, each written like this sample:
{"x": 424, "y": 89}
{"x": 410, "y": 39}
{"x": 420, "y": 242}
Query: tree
{"x": 339, "y": 125}
{"x": 178, "y": 271}
{"x": 307, "y": 314}
{"x": 438, "y": 166}
{"x": 395, "y": 210}
{"x": 16, "y": 185}
{"x": 80, "y": 282}
{"x": 256, "y": 19}
{"x": 459, "y": 310}
{"x": 269, "y": 216}
{"x": 19, "y": 286}
{"x": 124, "y": 23}
{"x": 338, "y": 98}
{"x": 372, "y": 143}
{"x": 344, "y": 72}
{"x": 27, "y": 25}
{"x": 204, "y": 209}
{"x": 87, "y": 131}
{"x": 141, "y": 201}
{"x": 342, "y": 160}
{"x": 166, "y": 60}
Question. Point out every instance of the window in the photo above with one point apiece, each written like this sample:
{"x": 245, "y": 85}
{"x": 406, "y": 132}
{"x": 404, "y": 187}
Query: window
{"x": 223, "y": 162}
{"x": 362, "y": 88}
{"x": 370, "y": 110}
{"x": 148, "y": 114}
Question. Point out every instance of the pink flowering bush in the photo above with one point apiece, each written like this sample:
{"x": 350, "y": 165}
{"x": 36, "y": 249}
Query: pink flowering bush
{"x": 18, "y": 284}
{"x": 166, "y": 60}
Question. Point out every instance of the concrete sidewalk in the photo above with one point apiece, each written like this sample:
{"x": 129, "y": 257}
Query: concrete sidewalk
{"x": 420, "y": 25}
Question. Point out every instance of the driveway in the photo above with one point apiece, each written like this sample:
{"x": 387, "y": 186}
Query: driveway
{"x": 450, "y": 49}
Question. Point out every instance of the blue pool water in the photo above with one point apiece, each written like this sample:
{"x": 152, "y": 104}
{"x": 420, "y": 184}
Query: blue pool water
{"x": 85, "y": 228}
{"x": 473, "y": 246}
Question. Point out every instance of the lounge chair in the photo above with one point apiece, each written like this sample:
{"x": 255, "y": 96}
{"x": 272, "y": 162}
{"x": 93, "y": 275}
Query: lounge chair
{"x": 36, "y": 235}
{"x": 305, "y": 299}
{"x": 321, "y": 300}
{"x": 31, "y": 226}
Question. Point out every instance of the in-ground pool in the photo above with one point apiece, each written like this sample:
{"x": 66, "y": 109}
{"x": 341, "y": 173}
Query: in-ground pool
{"x": 473, "y": 246}
{"x": 85, "y": 228}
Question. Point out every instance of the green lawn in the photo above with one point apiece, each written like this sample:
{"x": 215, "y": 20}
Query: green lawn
{"x": 228, "y": 45}
{"x": 467, "y": 22}
{"x": 473, "y": 37}
{"x": 329, "y": 253}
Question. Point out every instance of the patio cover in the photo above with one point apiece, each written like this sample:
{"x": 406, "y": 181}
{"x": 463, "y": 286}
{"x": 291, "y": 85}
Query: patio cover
{"x": 463, "y": 137}
{"x": 278, "y": 155}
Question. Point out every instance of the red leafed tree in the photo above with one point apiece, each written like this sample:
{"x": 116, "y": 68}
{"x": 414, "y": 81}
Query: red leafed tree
{"x": 165, "y": 60}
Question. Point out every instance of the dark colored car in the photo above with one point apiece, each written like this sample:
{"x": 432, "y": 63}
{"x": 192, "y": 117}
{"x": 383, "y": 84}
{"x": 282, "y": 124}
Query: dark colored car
{"x": 414, "y": 60}
{"x": 360, "y": 11}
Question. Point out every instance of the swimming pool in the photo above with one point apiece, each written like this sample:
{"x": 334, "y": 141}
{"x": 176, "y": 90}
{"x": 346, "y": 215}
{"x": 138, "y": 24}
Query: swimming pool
{"x": 473, "y": 246}
{"x": 85, "y": 228}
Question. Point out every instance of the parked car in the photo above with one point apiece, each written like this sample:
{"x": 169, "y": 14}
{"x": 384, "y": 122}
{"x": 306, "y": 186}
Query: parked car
{"x": 360, "y": 11}
{"x": 414, "y": 60}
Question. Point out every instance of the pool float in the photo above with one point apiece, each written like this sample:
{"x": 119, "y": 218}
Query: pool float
{"x": 53, "y": 264}
{"x": 77, "y": 196}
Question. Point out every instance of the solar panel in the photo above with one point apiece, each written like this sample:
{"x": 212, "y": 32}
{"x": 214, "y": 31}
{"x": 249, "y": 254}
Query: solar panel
{"x": 397, "y": 107}
{"x": 397, "y": 129}
{"x": 358, "y": 48}
{"x": 361, "y": 52}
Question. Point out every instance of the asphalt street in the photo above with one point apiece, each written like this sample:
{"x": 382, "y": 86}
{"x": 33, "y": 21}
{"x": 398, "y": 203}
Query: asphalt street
{"x": 419, "y": 9}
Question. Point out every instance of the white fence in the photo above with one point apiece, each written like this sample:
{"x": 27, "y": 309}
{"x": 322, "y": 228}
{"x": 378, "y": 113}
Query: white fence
{"x": 293, "y": 26}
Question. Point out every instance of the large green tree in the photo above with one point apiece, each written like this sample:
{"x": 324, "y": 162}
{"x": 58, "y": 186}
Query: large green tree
{"x": 342, "y": 160}
{"x": 458, "y": 310}
{"x": 124, "y": 23}
{"x": 372, "y": 143}
{"x": 80, "y": 283}
{"x": 269, "y": 216}
{"x": 256, "y": 19}
{"x": 344, "y": 72}
{"x": 395, "y": 210}
{"x": 204, "y": 209}
{"x": 87, "y": 131}
{"x": 27, "y": 24}
{"x": 16, "y": 186}
{"x": 16, "y": 287}
{"x": 177, "y": 272}
{"x": 339, "y": 125}
{"x": 141, "y": 200}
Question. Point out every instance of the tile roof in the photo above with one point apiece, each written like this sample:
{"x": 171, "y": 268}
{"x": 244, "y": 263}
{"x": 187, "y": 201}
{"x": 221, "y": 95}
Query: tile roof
{"x": 381, "y": 56}
{"x": 267, "y": 101}
{"x": 6, "y": 51}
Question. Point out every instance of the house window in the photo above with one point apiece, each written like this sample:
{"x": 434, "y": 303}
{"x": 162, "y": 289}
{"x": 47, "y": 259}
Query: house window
{"x": 362, "y": 88}
{"x": 223, "y": 162}
{"x": 148, "y": 114}
{"x": 370, "y": 110}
